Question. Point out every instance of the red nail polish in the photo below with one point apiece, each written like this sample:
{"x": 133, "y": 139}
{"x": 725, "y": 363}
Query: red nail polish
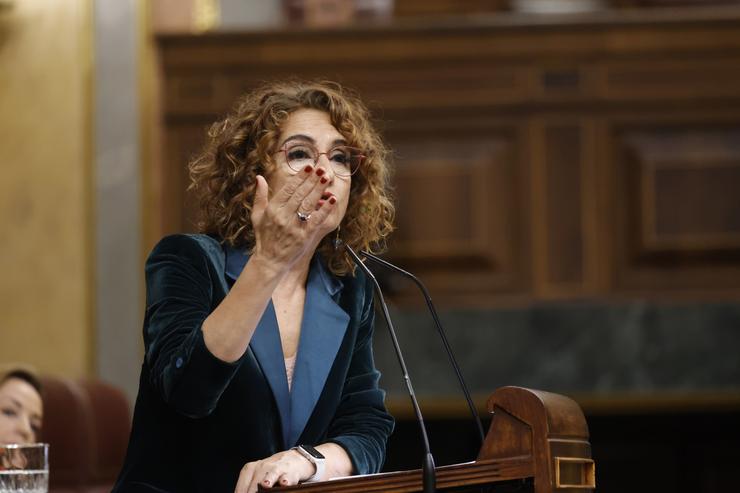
{"x": 308, "y": 169}
{"x": 332, "y": 200}
{"x": 323, "y": 179}
{"x": 320, "y": 171}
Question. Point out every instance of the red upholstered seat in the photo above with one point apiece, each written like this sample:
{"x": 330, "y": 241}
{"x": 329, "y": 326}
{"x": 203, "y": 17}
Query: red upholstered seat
{"x": 111, "y": 419}
{"x": 86, "y": 424}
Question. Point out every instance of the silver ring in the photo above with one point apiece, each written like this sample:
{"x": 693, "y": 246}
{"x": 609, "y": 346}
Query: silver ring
{"x": 303, "y": 217}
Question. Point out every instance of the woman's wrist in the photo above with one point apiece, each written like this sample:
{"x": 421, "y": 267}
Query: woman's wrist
{"x": 307, "y": 468}
{"x": 266, "y": 268}
{"x": 338, "y": 463}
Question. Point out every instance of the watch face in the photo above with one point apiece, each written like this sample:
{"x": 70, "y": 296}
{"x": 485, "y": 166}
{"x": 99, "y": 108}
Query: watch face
{"x": 312, "y": 451}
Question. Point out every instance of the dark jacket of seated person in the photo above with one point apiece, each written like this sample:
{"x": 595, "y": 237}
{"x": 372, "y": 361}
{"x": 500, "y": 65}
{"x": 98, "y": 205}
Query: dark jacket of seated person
{"x": 198, "y": 419}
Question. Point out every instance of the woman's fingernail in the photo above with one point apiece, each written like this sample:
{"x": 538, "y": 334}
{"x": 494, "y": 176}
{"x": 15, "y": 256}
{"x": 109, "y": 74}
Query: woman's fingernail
{"x": 323, "y": 179}
{"x": 332, "y": 200}
{"x": 308, "y": 169}
{"x": 320, "y": 171}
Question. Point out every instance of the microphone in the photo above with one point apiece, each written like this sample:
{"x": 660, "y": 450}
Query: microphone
{"x": 442, "y": 335}
{"x": 429, "y": 478}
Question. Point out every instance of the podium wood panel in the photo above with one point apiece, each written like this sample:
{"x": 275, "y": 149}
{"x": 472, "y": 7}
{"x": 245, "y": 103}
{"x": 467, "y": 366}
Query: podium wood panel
{"x": 537, "y": 441}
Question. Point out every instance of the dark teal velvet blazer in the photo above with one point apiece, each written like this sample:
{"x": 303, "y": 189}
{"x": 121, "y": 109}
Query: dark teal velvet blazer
{"x": 198, "y": 420}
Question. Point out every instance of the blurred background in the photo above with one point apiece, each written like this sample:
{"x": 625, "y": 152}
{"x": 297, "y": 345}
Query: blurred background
{"x": 567, "y": 177}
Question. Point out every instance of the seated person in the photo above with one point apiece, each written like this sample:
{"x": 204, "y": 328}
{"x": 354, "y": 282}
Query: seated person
{"x": 21, "y": 409}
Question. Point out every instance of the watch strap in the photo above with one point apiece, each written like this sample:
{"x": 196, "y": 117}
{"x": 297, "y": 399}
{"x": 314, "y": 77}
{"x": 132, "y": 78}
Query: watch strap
{"x": 318, "y": 462}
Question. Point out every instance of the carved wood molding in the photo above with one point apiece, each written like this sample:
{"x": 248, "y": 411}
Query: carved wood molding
{"x": 532, "y": 159}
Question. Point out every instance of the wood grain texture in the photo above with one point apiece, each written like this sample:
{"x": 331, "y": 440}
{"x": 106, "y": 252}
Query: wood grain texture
{"x": 538, "y": 137}
{"x": 530, "y": 432}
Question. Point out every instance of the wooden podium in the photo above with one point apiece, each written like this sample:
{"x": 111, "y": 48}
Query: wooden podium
{"x": 538, "y": 442}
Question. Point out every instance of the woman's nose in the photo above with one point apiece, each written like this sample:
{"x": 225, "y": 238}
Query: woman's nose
{"x": 325, "y": 163}
{"x": 24, "y": 430}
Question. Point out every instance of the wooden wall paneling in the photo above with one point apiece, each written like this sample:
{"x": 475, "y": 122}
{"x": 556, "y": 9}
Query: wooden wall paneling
{"x": 405, "y": 8}
{"x": 413, "y": 85}
{"x": 690, "y": 190}
{"x": 677, "y": 206}
{"x": 563, "y": 80}
{"x": 172, "y": 184}
{"x": 403, "y": 86}
{"x": 687, "y": 78}
{"x": 392, "y": 86}
{"x": 593, "y": 213}
{"x": 564, "y": 204}
{"x": 183, "y": 141}
{"x": 565, "y": 209}
{"x": 611, "y": 34}
{"x": 547, "y": 109}
{"x": 600, "y": 216}
{"x": 670, "y": 32}
{"x": 536, "y": 141}
{"x": 197, "y": 93}
{"x": 458, "y": 193}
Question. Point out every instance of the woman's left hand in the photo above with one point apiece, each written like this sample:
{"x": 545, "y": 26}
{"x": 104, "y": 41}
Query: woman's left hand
{"x": 282, "y": 469}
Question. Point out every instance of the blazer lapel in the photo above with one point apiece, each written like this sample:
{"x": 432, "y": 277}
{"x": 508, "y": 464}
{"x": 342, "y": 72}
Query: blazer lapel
{"x": 322, "y": 330}
{"x": 268, "y": 350}
{"x": 266, "y": 346}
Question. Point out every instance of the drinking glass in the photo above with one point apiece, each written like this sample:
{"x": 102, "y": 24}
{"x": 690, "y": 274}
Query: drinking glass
{"x": 24, "y": 468}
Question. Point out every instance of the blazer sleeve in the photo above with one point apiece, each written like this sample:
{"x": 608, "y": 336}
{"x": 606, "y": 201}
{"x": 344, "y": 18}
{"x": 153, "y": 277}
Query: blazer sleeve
{"x": 181, "y": 289}
{"x": 362, "y": 424}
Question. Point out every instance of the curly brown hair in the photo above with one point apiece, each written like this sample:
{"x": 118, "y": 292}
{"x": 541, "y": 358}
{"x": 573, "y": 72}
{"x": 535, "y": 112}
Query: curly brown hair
{"x": 243, "y": 145}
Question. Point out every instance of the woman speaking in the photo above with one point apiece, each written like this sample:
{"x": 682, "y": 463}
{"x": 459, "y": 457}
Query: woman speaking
{"x": 258, "y": 368}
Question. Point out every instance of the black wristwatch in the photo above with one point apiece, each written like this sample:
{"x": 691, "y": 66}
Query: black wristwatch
{"x": 314, "y": 457}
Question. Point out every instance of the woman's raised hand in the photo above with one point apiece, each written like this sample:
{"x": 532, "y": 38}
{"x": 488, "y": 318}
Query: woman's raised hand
{"x": 281, "y": 237}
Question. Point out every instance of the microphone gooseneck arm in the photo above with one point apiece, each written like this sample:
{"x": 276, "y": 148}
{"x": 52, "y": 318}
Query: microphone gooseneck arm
{"x": 442, "y": 335}
{"x": 428, "y": 473}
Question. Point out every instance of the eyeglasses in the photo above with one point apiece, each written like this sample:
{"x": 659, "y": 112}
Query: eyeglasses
{"x": 345, "y": 161}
